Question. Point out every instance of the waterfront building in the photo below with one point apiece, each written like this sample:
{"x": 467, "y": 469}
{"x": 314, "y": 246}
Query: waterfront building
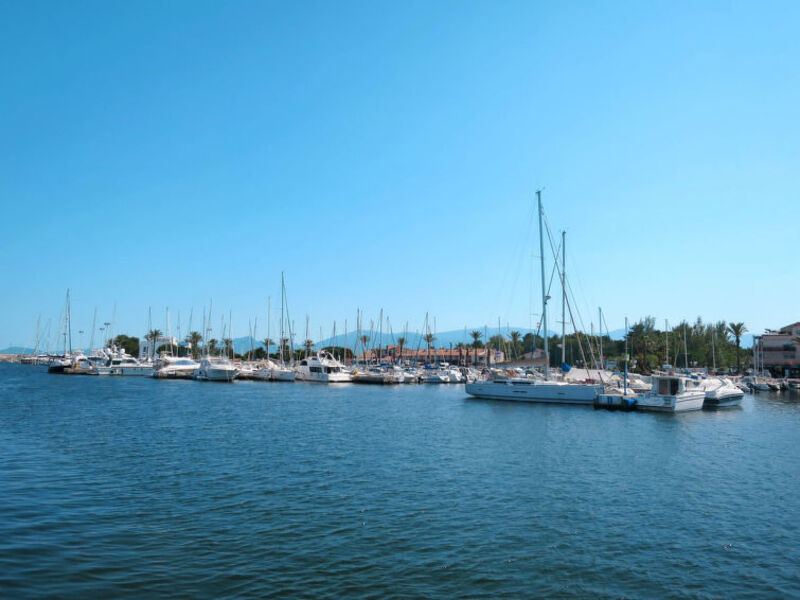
{"x": 779, "y": 351}
{"x": 456, "y": 356}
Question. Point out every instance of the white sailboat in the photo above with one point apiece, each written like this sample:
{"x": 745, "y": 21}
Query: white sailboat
{"x": 536, "y": 389}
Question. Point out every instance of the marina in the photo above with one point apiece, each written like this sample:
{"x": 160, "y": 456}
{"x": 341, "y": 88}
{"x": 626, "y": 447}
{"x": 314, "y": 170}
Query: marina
{"x": 388, "y": 301}
{"x": 251, "y": 487}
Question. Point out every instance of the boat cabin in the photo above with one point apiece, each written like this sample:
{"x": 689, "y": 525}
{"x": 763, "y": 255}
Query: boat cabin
{"x": 668, "y": 385}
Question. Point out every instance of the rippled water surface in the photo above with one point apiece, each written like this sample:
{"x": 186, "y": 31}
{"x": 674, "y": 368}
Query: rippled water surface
{"x": 134, "y": 487}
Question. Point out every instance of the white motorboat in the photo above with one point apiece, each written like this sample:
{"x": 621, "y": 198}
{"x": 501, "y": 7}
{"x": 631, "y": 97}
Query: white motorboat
{"x": 378, "y": 375}
{"x": 75, "y": 364}
{"x": 720, "y": 392}
{"x": 271, "y": 371}
{"x": 322, "y": 368}
{"x": 175, "y": 367}
{"x": 120, "y": 363}
{"x": 757, "y": 384}
{"x": 216, "y": 368}
{"x": 433, "y": 375}
{"x": 672, "y": 393}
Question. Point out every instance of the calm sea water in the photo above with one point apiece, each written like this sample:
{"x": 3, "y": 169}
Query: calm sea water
{"x": 129, "y": 487}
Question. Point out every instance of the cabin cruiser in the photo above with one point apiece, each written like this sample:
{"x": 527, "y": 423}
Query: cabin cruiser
{"x": 124, "y": 364}
{"x": 756, "y": 384}
{"x": 175, "y": 367}
{"x": 322, "y": 368}
{"x": 672, "y": 393}
{"x": 434, "y": 375}
{"x": 74, "y": 364}
{"x": 215, "y": 368}
{"x": 499, "y": 386}
{"x": 720, "y": 392}
{"x": 381, "y": 375}
{"x": 271, "y": 371}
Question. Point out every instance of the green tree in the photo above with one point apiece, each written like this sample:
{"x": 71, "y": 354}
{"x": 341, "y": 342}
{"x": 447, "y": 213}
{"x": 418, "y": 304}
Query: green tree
{"x": 737, "y": 330}
{"x": 401, "y": 341}
{"x": 128, "y": 344}
{"x": 194, "y": 339}
{"x": 476, "y": 343}
{"x": 268, "y": 343}
{"x": 152, "y": 336}
{"x": 429, "y": 339}
{"x": 228, "y": 345}
{"x": 364, "y": 341}
{"x": 212, "y": 345}
{"x": 515, "y": 344}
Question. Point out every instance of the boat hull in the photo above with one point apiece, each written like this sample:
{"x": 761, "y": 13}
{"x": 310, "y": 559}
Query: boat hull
{"x": 549, "y": 393}
{"x": 225, "y": 375}
{"x": 126, "y": 371}
{"x": 672, "y": 404}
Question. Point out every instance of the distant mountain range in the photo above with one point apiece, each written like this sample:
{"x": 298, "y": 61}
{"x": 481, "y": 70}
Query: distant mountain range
{"x": 16, "y": 350}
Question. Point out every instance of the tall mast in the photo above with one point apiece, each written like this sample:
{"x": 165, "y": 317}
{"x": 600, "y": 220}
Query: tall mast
{"x": 380, "y": 338}
{"x": 685, "y": 349}
{"x": 625, "y": 375}
{"x": 666, "y": 340}
{"x": 544, "y": 291}
{"x": 69, "y": 325}
{"x": 280, "y": 345}
{"x": 150, "y": 328}
{"x": 38, "y": 325}
{"x": 94, "y": 324}
{"x": 713, "y": 349}
{"x": 169, "y": 332}
{"x": 305, "y": 341}
{"x": 600, "y": 333}
{"x": 269, "y": 320}
{"x": 563, "y": 297}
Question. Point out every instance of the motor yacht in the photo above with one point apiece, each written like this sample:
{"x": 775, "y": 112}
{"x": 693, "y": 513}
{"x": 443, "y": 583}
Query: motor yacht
{"x": 672, "y": 393}
{"x": 272, "y": 371}
{"x": 175, "y": 367}
{"x": 215, "y": 368}
{"x": 720, "y": 392}
{"x": 124, "y": 364}
{"x": 322, "y": 368}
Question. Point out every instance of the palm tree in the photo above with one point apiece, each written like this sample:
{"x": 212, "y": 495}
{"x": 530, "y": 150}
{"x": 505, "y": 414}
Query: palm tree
{"x": 308, "y": 344}
{"x": 285, "y": 349}
{"x": 515, "y": 337}
{"x": 228, "y": 343}
{"x": 268, "y": 343}
{"x": 364, "y": 341}
{"x": 401, "y": 341}
{"x": 429, "y": 339}
{"x": 193, "y": 339}
{"x": 212, "y": 345}
{"x": 152, "y": 336}
{"x": 476, "y": 336}
{"x": 737, "y": 330}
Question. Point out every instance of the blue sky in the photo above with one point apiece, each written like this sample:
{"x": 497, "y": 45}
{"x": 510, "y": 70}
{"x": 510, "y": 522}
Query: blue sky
{"x": 386, "y": 155}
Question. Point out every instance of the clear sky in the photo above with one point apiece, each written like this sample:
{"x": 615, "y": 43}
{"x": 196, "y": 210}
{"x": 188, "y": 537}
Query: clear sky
{"x": 386, "y": 155}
